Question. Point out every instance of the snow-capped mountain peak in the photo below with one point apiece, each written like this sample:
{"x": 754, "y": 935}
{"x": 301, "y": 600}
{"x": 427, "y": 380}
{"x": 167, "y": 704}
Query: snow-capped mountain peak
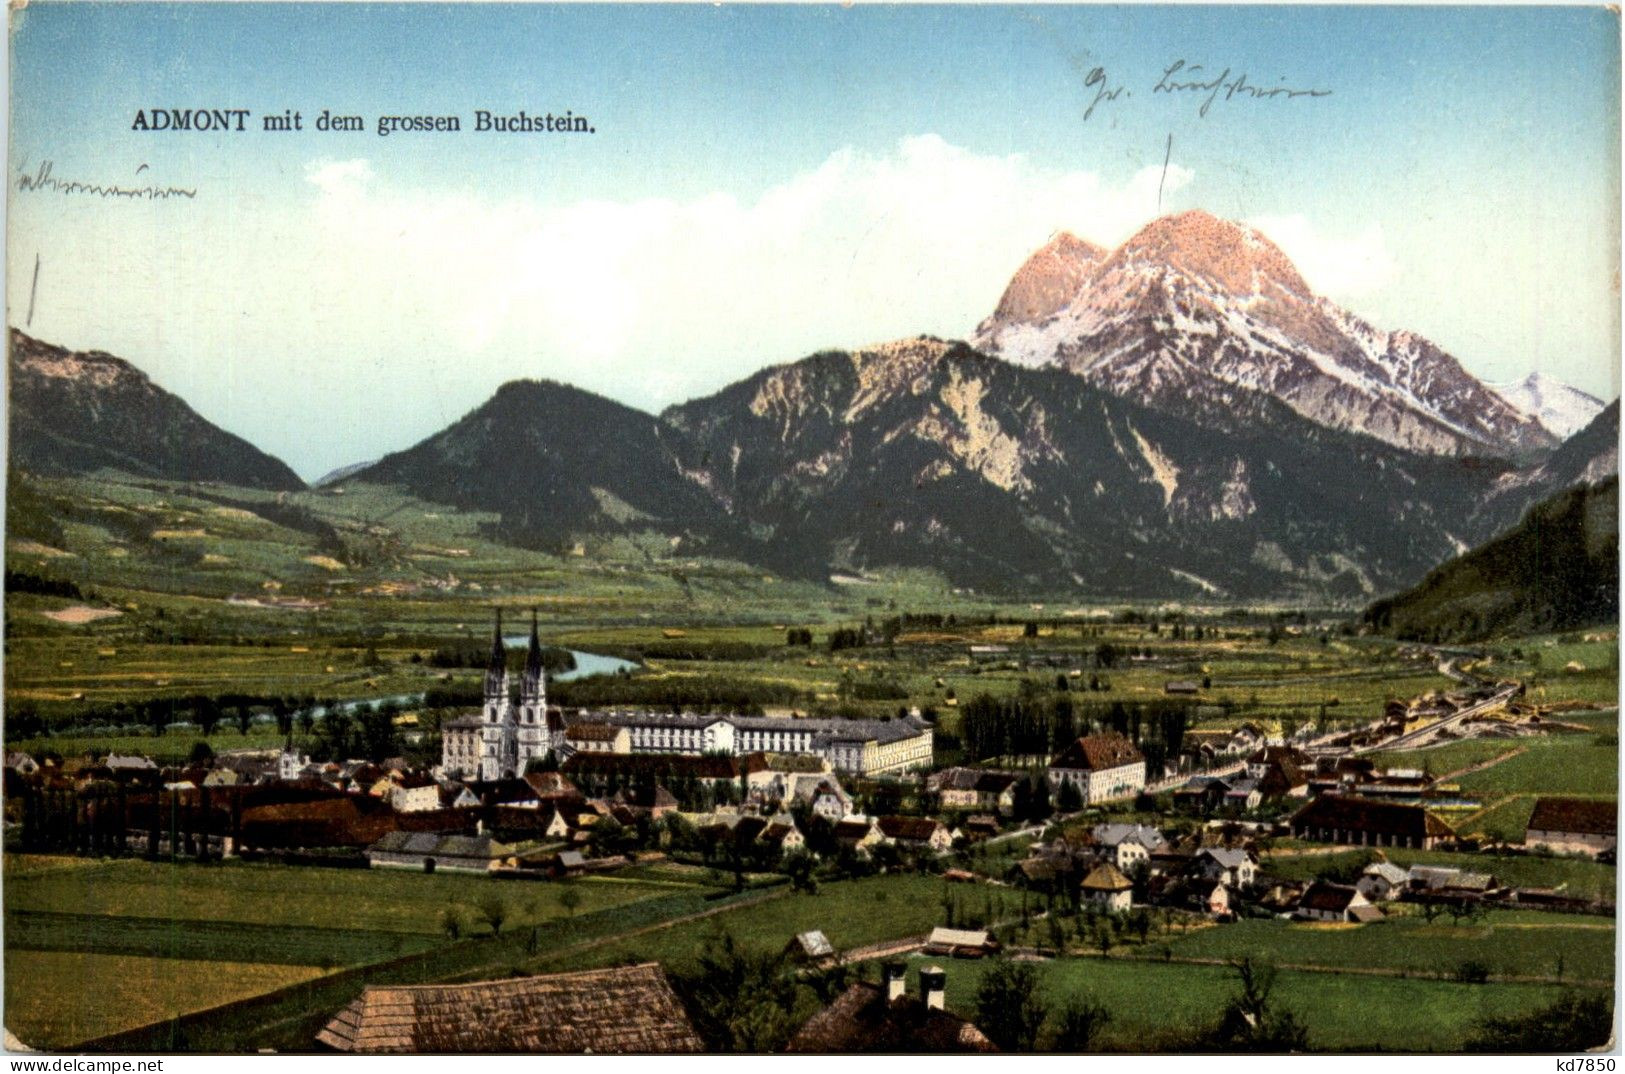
{"x": 1193, "y": 309}
{"x": 1562, "y": 409}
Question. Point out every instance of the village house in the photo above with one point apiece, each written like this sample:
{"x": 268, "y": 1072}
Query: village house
{"x": 811, "y": 949}
{"x": 916, "y": 833}
{"x": 1127, "y": 846}
{"x": 1107, "y": 887}
{"x": 1336, "y": 818}
{"x": 1335, "y": 902}
{"x": 627, "y": 1010}
{"x": 869, "y": 1018}
{"x": 960, "y": 943}
{"x": 858, "y": 833}
{"x": 1198, "y": 894}
{"x": 782, "y": 834}
{"x": 434, "y": 852}
{"x": 1382, "y": 881}
{"x": 974, "y": 788}
{"x": 1573, "y": 826}
{"x": 416, "y": 793}
{"x": 1242, "y": 795}
{"x": 821, "y": 794}
{"x": 1233, "y": 868}
{"x": 1100, "y": 767}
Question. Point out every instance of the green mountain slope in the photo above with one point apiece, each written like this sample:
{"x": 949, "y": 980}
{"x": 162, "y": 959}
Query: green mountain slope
{"x": 1557, "y": 569}
{"x": 76, "y": 413}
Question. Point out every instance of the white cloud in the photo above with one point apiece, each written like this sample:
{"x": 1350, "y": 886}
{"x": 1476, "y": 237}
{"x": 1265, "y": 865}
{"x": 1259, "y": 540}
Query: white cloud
{"x": 1339, "y": 267}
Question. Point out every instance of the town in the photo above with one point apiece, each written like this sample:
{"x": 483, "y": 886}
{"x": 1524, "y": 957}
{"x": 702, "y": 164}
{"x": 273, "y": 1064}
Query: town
{"x": 1138, "y": 840}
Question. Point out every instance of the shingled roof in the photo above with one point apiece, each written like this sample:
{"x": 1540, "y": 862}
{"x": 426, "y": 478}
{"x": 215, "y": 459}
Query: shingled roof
{"x": 860, "y": 1020}
{"x": 1096, "y": 753}
{"x": 626, "y": 1010}
{"x": 1574, "y": 815}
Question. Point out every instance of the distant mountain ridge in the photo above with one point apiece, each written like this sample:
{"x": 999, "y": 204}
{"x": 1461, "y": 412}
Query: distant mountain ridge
{"x": 1181, "y": 464}
{"x": 1192, "y": 306}
{"x": 926, "y": 453}
{"x": 555, "y": 462}
{"x": 75, "y": 412}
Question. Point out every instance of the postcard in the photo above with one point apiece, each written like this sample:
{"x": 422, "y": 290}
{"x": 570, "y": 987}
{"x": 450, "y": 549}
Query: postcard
{"x": 749, "y": 529}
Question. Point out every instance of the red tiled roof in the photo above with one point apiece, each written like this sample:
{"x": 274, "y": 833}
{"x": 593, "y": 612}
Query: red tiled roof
{"x": 1096, "y": 753}
{"x": 914, "y": 829}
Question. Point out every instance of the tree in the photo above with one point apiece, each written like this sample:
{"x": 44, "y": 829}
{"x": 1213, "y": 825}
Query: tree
{"x": 570, "y": 898}
{"x": 201, "y": 753}
{"x": 1078, "y": 1025}
{"x": 1009, "y": 1008}
{"x": 1573, "y": 1023}
{"x": 244, "y": 717}
{"x": 1068, "y": 799}
{"x": 1105, "y": 936}
{"x": 452, "y": 922}
{"x": 798, "y": 866}
{"x": 739, "y": 999}
{"x": 1250, "y": 1022}
{"x": 495, "y": 911}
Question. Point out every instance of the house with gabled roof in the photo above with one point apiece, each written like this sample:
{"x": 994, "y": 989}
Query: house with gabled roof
{"x": 1325, "y": 901}
{"x": 812, "y": 948}
{"x": 869, "y": 1018}
{"x": 1234, "y": 868}
{"x": 917, "y": 833}
{"x": 1127, "y": 845}
{"x": 1353, "y": 821}
{"x": 1382, "y": 881}
{"x": 1100, "y": 767}
{"x": 434, "y": 852}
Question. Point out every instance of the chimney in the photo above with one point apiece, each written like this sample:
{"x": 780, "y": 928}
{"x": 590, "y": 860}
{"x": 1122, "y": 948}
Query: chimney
{"x": 933, "y": 986}
{"x": 893, "y": 974}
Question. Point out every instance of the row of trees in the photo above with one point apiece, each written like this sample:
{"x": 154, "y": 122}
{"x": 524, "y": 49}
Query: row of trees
{"x": 1033, "y": 726}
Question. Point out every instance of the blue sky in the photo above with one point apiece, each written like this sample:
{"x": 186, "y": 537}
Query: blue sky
{"x": 768, "y": 181}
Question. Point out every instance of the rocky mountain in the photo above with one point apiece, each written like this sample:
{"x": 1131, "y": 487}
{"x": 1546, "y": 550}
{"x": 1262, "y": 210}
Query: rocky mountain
{"x": 1561, "y": 409}
{"x": 1586, "y": 458}
{"x": 1192, "y": 307}
{"x": 555, "y": 462}
{"x": 927, "y": 453}
{"x": 1556, "y": 570}
{"x": 77, "y": 412}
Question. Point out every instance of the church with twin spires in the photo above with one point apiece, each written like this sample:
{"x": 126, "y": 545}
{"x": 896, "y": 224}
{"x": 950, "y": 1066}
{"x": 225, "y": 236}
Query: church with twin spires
{"x": 504, "y": 737}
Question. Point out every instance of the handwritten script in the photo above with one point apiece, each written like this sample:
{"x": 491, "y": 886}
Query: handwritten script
{"x": 43, "y": 178}
{"x": 1182, "y": 78}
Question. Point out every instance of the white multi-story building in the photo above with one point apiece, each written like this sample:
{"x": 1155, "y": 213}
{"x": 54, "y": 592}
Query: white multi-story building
{"x": 861, "y": 747}
{"x": 1102, "y": 767}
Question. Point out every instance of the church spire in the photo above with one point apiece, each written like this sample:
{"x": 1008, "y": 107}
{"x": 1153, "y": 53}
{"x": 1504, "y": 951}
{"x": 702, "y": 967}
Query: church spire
{"x": 533, "y": 688}
{"x": 496, "y": 672}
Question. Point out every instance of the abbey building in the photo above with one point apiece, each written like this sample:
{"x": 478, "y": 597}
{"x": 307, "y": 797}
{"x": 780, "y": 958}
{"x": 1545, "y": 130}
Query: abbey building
{"x": 504, "y": 737}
